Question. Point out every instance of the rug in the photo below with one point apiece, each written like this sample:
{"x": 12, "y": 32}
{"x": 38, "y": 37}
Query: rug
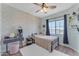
{"x": 35, "y": 50}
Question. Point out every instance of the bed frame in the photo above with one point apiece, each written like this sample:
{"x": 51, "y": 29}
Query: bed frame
{"x": 47, "y": 44}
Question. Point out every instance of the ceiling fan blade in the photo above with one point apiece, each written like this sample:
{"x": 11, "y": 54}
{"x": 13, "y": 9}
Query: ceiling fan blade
{"x": 52, "y": 7}
{"x": 37, "y": 11}
{"x": 45, "y": 5}
{"x": 37, "y": 4}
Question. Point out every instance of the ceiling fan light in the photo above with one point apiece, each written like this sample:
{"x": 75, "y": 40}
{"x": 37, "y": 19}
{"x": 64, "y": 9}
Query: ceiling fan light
{"x": 44, "y": 9}
{"x": 41, "y": 10}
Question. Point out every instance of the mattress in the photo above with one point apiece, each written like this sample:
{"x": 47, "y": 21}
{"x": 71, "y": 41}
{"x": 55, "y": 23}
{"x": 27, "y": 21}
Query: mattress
{"x": 51, "y": 38}
{"x": 35, "y": 50}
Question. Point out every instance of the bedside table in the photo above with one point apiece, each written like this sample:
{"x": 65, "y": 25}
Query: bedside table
{"x": 29, "y": 41}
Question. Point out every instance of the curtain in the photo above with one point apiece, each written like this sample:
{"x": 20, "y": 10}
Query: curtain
{"x": 47, "y": 27}
{"x": 65, "y": 40}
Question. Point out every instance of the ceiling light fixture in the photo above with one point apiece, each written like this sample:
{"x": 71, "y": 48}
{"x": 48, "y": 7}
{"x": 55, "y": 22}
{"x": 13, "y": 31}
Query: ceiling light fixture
{"x": 44, "y": 7}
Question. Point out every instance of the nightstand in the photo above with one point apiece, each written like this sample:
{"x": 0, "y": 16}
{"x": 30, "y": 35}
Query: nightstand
{"x": 29, "y": 41}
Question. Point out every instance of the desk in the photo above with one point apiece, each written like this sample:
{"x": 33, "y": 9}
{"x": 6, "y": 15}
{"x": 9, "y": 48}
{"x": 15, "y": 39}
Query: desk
{"x": 10, "y": 40}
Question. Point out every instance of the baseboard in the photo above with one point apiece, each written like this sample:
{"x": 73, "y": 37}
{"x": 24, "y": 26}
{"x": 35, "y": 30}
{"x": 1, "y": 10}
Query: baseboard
{"x": 65, "y": 45}
{"x": 69, "y": 47}
{"x": 75, "y": 49}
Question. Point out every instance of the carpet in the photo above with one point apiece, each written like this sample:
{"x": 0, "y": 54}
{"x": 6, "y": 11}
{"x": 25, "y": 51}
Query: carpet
{"x": 35, "y": 50}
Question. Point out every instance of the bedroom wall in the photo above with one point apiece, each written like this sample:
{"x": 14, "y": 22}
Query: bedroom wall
{"x": 73, "y": 34}
{"x": 12, "y": 18}
{"x": 0, "y": 30}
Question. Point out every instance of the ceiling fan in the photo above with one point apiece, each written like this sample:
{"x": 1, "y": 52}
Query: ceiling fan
{"x": 44, "y": 7}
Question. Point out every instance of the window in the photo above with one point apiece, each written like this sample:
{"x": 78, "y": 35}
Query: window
{"x": 56, "y": 27}
{"x": 52, "y": 27}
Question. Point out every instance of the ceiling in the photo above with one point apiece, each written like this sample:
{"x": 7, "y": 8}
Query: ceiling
{"x": 32, "y": 8}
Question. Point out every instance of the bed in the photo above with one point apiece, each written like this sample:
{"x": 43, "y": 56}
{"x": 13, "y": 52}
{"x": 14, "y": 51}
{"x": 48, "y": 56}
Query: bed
{"x": 47, "y": 42}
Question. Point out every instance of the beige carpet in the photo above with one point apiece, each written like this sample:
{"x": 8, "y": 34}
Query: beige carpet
{"x": 35, "y": 50}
